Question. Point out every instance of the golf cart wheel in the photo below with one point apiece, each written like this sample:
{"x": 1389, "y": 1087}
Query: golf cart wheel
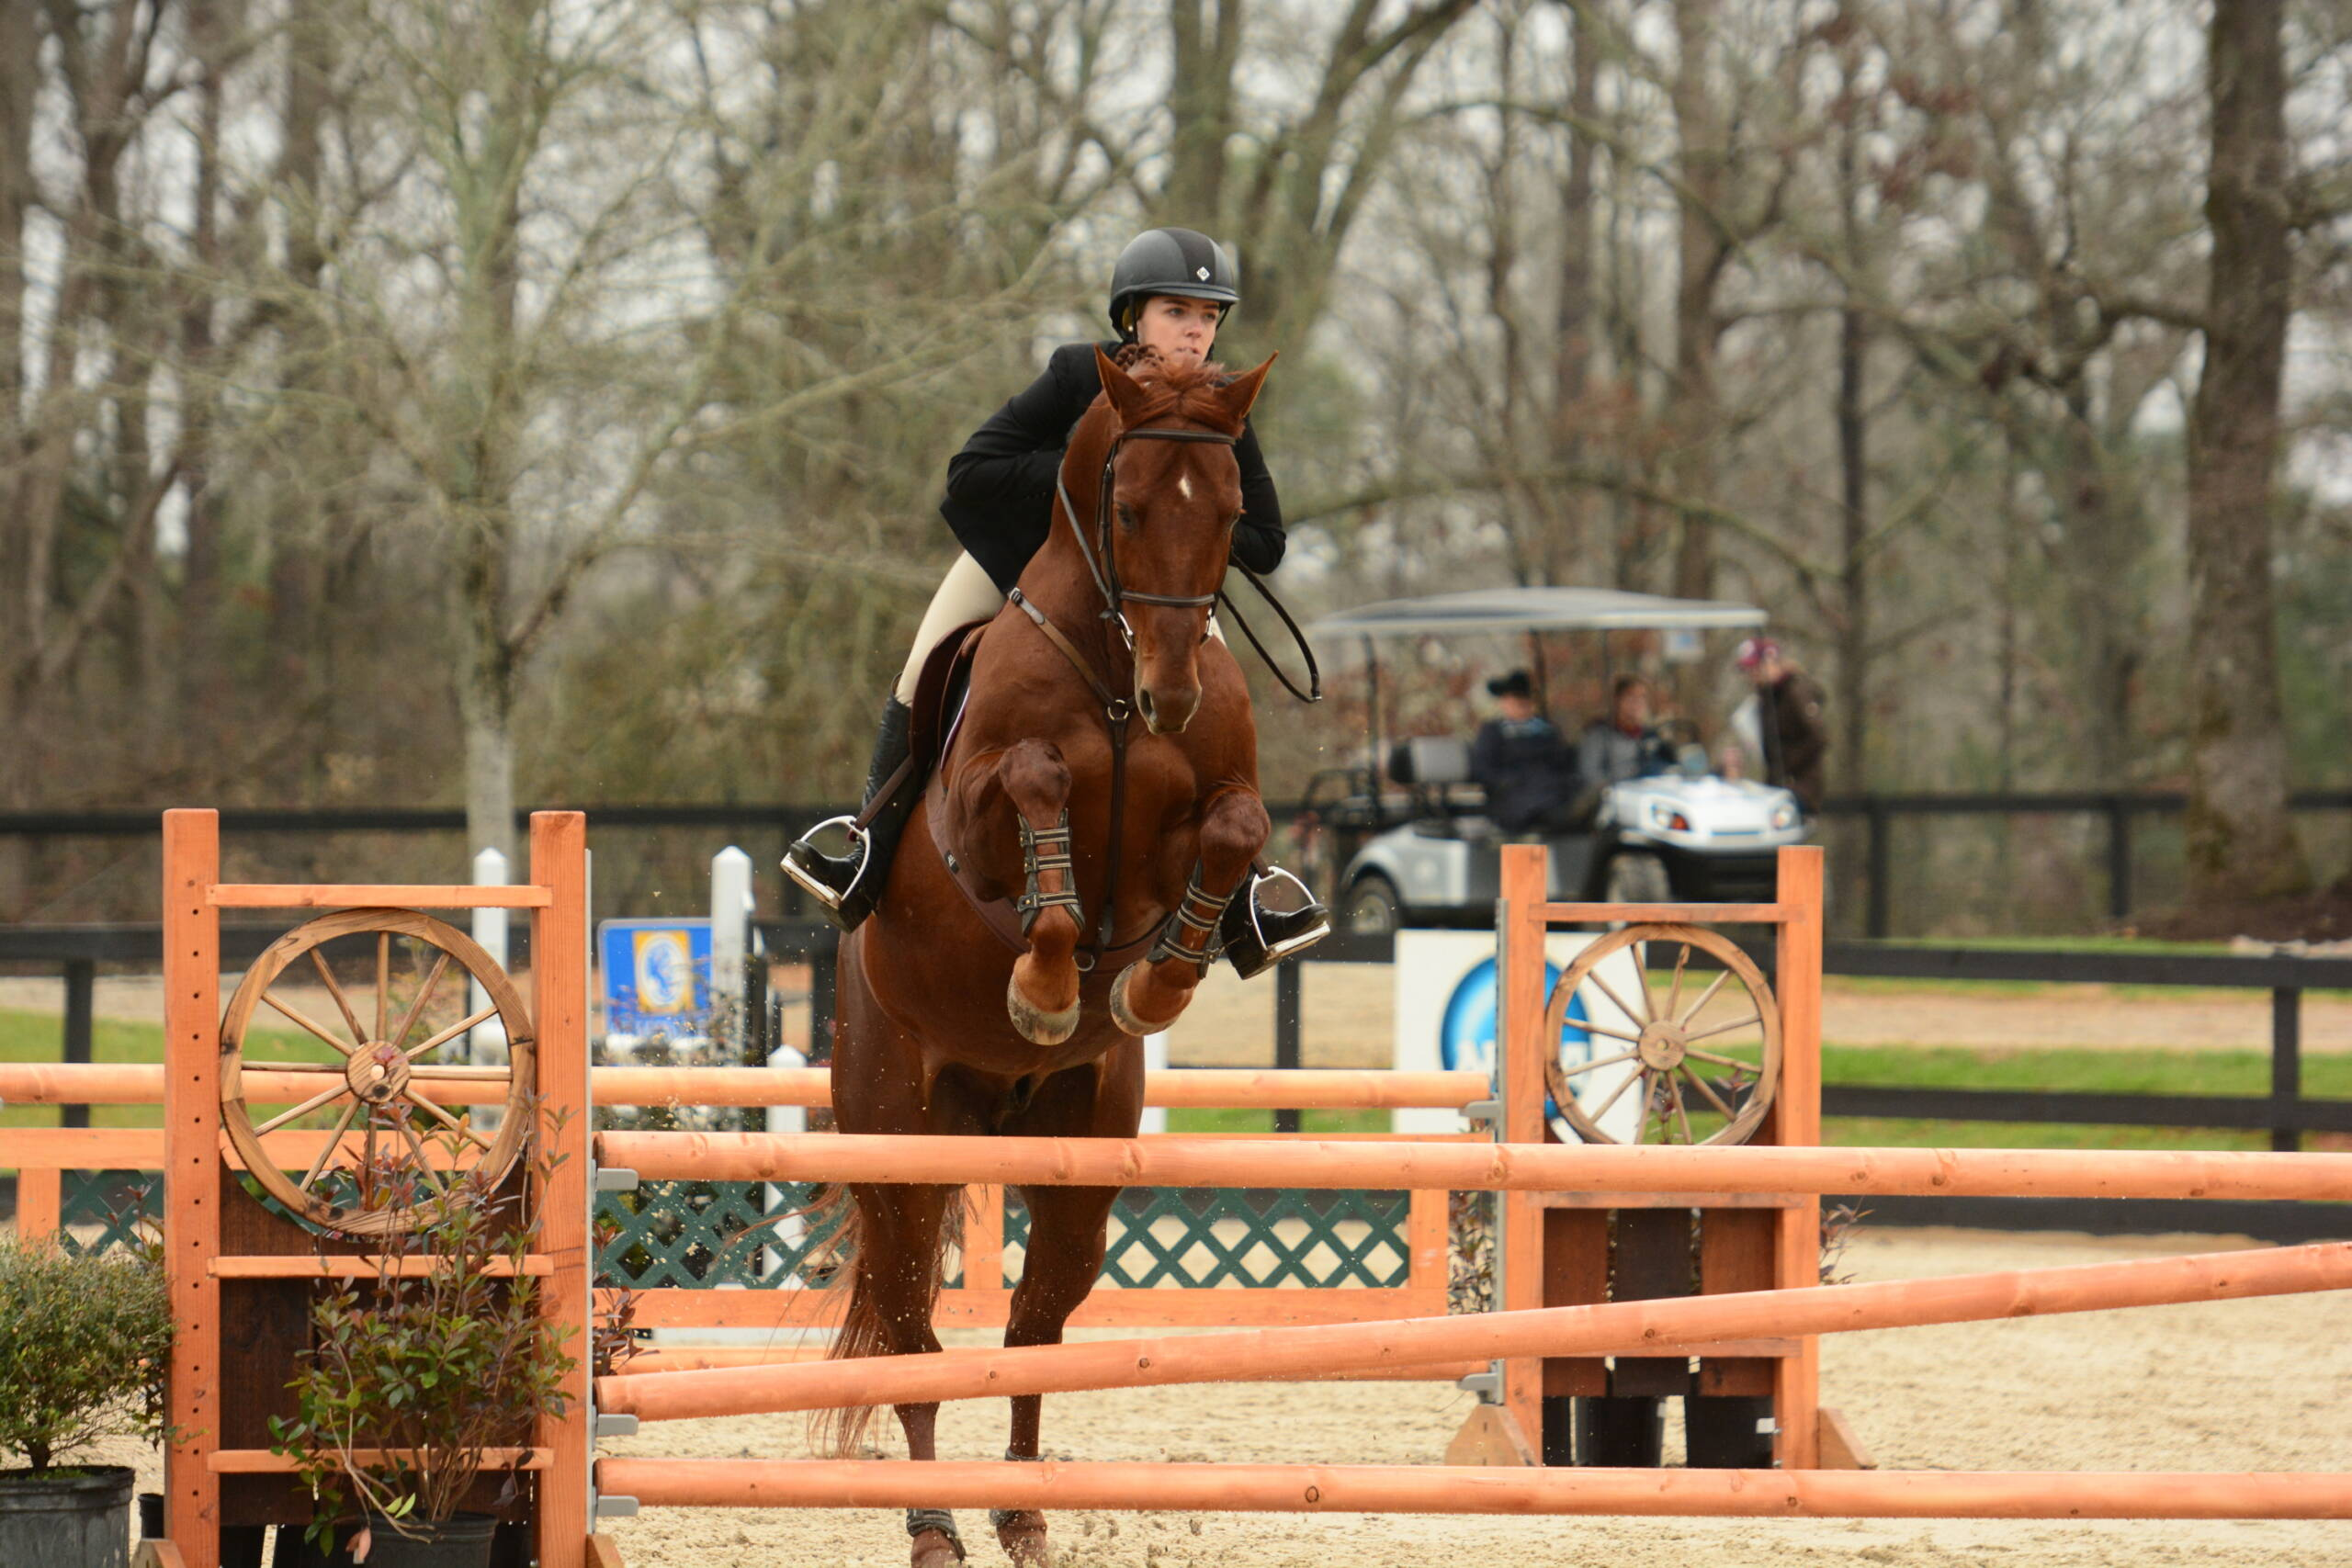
{"x": 1704, "y": 1070}
{"x": 1373, "y": 907}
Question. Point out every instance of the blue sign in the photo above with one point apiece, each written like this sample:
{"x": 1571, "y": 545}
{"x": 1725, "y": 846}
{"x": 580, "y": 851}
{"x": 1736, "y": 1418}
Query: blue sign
{"x": 1466, "y": 1037}
{"x": 657, "y": 977}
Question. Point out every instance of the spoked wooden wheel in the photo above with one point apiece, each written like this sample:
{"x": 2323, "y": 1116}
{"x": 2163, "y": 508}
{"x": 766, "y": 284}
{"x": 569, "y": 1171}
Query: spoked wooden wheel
{"x": 1701, "y": 1064}
{"x": 379, "y": 1105}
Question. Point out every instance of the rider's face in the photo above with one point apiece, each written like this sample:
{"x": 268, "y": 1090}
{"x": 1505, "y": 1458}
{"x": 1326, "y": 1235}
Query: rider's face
{"x": 1177, "y": 329}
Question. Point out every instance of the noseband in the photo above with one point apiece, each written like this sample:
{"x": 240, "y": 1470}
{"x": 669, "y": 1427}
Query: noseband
{"x": 1102, "y": 560}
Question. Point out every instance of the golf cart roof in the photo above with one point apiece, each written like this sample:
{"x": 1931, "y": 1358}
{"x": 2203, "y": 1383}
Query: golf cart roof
{"x": 1509, "y": 609}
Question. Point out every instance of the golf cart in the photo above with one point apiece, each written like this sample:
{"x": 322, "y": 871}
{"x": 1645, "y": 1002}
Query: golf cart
{"x": 1682, "y": 835}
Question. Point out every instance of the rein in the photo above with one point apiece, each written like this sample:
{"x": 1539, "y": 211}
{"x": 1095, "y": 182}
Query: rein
{"x": 1102, "y": 566}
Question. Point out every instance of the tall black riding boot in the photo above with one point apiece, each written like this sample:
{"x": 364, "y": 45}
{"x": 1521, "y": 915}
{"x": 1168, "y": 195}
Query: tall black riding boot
{"x": 848, "y": 886}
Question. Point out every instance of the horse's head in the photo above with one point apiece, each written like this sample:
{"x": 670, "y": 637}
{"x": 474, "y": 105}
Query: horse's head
{"x": 1168, "y": 525}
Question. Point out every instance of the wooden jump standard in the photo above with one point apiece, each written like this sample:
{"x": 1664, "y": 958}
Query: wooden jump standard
{"x": 1180, "y": 1161}
{"x": 1670, "y": 1326}
{"x": 1445, "y": 1489}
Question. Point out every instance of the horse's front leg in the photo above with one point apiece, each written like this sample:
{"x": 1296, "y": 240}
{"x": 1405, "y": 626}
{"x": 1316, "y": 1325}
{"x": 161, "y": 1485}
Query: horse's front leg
{"x": 1150, "y": 993}
{"x": 1043, "y": 995}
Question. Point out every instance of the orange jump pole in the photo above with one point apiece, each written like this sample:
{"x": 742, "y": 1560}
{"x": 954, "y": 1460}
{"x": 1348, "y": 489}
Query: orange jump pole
{"x": 45, "y": 1083}
{"x": 1444, "y": 1489}
{"x": 1671, "y": 1326}
{"x": 1394, "y": 1163}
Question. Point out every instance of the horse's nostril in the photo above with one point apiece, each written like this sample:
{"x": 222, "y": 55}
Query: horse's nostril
{"x": 1143, "y": 703}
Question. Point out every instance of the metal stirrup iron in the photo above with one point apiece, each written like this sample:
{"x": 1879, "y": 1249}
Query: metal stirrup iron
{"x": 1044, "y": 850}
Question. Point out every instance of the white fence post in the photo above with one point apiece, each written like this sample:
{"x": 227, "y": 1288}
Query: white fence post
{"x": 486, "y": 1041}
{"x": 1155, "y": 1060}
{"x": 730, "y": 920}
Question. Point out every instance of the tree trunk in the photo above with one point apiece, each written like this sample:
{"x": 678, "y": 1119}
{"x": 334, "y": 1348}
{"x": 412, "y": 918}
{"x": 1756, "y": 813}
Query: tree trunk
{"x": 488, "y": 716}
{"x": 1853, "y": 474}
{"x": 1572, "y": 359}
{"x": 2099, "y": 548}
{"x": 1697, "y": 420}
{"x": 2241, "y": 844}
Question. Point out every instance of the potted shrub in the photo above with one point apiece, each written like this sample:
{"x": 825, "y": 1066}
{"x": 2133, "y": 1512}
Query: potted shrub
{"x": 84, "y": 1342}
{"x": 411, "y": 1381}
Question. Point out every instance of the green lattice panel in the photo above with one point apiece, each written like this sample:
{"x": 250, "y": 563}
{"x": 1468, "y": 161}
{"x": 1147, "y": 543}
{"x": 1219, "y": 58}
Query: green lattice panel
{"x": 684, "y": 1233}
{"x": 118, "y": 1203}
{"x": 1257, "y": 1238}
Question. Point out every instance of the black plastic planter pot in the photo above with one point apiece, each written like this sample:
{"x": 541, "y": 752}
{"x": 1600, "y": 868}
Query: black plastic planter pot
{"x": 78, "y": 1518}
{"x": 461, "y": 1542}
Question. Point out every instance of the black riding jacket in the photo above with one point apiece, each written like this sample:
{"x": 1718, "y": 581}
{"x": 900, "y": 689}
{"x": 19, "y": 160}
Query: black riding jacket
{"x": 999, "y": 500}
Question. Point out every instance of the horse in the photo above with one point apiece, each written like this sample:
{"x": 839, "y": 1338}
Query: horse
{"x": 1057, "y": 894}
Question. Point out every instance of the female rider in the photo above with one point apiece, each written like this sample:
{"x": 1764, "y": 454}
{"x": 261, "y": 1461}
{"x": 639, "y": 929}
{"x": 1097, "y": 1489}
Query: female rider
{"x": 1169, "y": 293}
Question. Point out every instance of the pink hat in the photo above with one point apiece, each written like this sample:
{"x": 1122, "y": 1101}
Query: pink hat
{"x": 1755, "y": 651}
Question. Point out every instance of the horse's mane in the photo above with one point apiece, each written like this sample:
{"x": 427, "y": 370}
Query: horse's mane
{"x": 1185, "y": 391}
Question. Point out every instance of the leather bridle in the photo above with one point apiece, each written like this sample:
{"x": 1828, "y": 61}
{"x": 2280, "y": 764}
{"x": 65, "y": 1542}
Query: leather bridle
{"x": 1102, "y": 560}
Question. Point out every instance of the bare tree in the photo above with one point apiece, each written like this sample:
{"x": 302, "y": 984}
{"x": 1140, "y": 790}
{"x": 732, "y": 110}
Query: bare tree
{"x": 2240, "y": 841}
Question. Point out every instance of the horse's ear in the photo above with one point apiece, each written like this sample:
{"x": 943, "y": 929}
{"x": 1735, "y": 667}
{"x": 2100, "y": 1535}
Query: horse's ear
{"x": 1126, "y": 396}
{"x": 1242, "y": 391}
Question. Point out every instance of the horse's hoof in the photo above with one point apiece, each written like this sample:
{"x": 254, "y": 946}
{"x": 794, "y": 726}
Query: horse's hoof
{"x": 936, "y": 1549}
{"x": 1035, "y": 1024}
{"x": 1123, "y": 1015}
{"x": 1023, "y": 1539}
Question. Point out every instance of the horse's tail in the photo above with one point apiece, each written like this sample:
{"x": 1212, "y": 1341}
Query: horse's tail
{"x": 833, "y": 1214}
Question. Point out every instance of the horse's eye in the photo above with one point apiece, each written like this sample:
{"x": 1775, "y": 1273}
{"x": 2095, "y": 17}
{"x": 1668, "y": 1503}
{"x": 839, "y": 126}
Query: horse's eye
{"x": 1127, "y": 515}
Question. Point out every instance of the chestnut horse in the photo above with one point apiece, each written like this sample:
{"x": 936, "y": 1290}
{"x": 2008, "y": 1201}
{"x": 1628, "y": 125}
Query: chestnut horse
{"x": 1058, "y": 893}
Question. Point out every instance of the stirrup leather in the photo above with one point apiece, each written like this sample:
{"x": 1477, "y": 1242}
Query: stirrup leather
{"x": 1044, "y": 850}
{"x": 1190, "y": 932}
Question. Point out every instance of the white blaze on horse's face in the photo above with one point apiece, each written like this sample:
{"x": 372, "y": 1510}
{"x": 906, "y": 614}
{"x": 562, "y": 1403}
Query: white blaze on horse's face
{"x": 1174, "y": 505}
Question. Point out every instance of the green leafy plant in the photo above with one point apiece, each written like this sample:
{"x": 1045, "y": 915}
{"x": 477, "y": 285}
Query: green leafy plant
{"x": 84, "y": 1342}
{"x": 413, "y": 1378}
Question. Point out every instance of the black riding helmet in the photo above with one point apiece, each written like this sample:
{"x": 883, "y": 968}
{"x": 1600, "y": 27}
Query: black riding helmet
{"x": 1170, "y": 261}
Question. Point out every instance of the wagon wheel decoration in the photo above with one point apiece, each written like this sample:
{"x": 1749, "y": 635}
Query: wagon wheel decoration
{"x": 378, "y": 1088}
{"x": 1704, "y": 1061}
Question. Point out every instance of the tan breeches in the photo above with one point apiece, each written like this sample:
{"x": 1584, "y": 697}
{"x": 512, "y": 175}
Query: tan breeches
{"x": 966, "y": 594}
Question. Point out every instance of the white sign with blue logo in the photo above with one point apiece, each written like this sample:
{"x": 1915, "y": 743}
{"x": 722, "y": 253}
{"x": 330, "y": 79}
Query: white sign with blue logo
{"x": 1446, "y": 1000}
{"x": 657, "y": 977}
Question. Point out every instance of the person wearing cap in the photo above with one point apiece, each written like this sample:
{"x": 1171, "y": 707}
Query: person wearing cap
{"x": 1525, "y": 764}
{"x": 1170, "y": 291}
{"x": 1790, "y": 730}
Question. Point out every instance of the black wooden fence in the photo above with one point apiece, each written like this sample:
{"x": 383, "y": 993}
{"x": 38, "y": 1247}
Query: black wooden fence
{"x": 769, "y": 826}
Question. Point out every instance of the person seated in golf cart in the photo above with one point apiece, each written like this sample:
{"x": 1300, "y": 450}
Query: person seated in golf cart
{"x": 1525, "y": 764}
{"x": 1624, "y": 745}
